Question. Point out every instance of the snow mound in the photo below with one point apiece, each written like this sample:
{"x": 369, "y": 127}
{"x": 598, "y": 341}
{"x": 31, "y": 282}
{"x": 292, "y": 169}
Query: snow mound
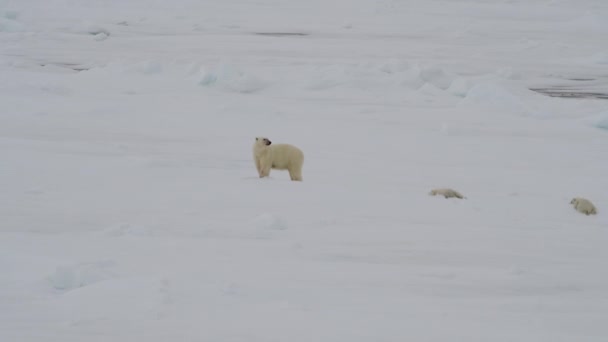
{"x": 66, "y": 278}
{"x": 146, "y": 68}
{"x": 372, "y": 75}
{"x": 100, "y": 36}
{"x": 600, "y": 58}
{"x": 264, "y": 226}
{"x": 506, "y": 74}
{"x": 88, "y": 29}
{"x": 10, "y": 14}
{"x": 416, "y": 77}
{"x": 460, "y": 86}
{"x": 497, "y": 98}
{"x": 602, "y": 123}
{"x": 117, "y": 69}
{"x": 429, "y": 89}
{"x": 95, "y": 30}
{"x": 230, "y": 78}
{"x": 269, "y": 222}
{"x": 435, "y": 76}
{"x": 8, "y": 24}
{"x": 394, "y": 67}
{"x": 411, "y": 79}
{"x": 117, "y": 300}
{"x": 327, "y": 77}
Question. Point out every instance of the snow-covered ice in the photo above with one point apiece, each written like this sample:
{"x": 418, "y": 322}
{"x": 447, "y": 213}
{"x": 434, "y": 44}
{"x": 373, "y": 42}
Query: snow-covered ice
{"x": 131, "y": 209}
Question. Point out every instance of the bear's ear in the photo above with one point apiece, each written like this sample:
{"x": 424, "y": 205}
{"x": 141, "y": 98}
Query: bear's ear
{"x": 256, "y": 139}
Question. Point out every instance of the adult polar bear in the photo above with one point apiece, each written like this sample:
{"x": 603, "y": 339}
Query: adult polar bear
{"x": 277, "y": 156}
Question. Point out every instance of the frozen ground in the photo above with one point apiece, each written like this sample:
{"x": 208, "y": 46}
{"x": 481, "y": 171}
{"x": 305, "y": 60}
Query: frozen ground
{"x": 131, "y": 209}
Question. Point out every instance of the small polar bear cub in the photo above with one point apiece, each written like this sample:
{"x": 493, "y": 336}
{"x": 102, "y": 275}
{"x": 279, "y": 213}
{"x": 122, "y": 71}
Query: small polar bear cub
{"x": 583, "y": 205}
{"x": 278, "y": 156}
{"x": 446, "y": 192}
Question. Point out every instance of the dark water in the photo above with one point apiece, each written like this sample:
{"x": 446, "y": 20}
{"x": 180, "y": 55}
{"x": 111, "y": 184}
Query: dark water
{"x": 567, "y": 93}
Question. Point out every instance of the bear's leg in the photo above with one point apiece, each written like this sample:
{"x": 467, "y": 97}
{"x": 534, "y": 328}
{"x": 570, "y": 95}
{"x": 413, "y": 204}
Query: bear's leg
{"x": 265, "y": 171}
{"x": 258, "y": 167}
{"x": 295, "y": 175}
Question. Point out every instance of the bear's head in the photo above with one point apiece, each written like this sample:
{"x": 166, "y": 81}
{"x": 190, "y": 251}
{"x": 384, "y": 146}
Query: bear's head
{"x": 262, "y": 141}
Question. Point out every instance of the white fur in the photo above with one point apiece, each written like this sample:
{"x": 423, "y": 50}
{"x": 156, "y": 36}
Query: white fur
{"x": 269, "y": 156}
{"x": 446, "y": 192}
{"x": 583, "y": 205}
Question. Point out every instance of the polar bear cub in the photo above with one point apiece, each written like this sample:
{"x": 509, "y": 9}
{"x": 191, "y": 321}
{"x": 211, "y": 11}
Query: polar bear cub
{"x": 278, "y": 156}
{"x": 446, "y": 192}
{"x": 583, "y": 205}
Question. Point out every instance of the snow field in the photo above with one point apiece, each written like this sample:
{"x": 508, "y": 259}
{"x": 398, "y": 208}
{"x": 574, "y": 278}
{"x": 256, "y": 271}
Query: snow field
{"x": 131, "y": 208}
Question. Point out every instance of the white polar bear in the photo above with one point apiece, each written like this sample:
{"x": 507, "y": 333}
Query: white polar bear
{"x": 583, "y": 205}
{"x": 279, "y": 157}
{"x": 446, "y": 192}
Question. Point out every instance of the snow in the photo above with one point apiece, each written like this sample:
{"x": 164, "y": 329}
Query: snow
{"x": 231, "y": 78}
{"x": 603, "y": 123}
{"x": 131, "y": 208}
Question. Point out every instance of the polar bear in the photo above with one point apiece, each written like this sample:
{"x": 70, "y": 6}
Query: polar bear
{"x": 277, "y": 156}
{"x": 446, "y": 192}
{"x": 583, "y": 205}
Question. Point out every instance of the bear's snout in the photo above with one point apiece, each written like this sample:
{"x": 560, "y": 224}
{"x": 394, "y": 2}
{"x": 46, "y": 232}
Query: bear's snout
{"x": 268, "y": 142}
